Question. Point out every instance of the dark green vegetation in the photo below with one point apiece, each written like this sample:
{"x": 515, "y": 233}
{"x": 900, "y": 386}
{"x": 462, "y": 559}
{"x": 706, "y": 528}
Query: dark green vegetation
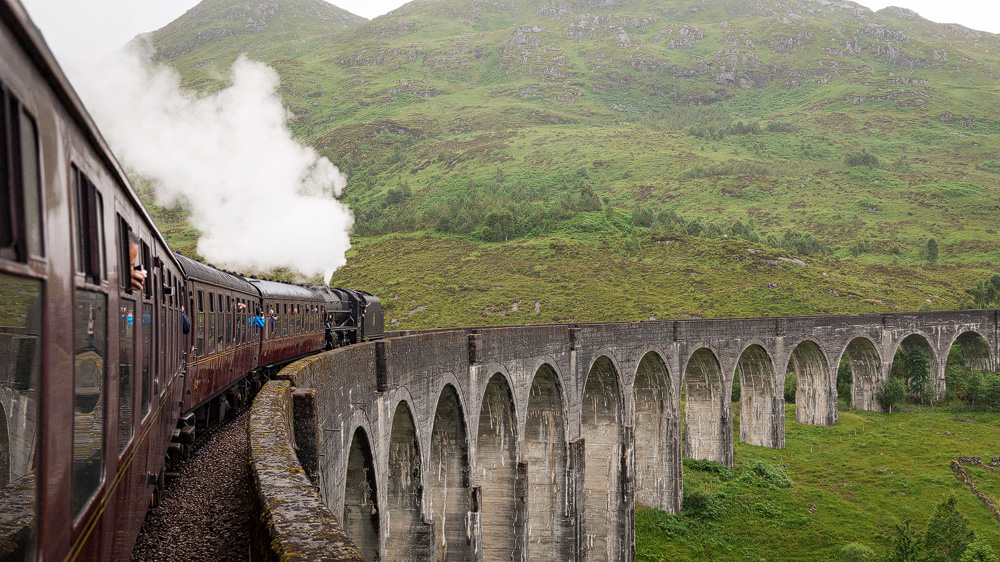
{"x": 832, "y": 486}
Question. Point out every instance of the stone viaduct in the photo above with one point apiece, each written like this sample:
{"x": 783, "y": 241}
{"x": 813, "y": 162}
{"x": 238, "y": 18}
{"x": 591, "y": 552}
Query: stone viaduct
{"x": 536, "y": 442}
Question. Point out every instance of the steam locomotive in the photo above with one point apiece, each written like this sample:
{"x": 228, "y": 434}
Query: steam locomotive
{"x": 102, "y": 387}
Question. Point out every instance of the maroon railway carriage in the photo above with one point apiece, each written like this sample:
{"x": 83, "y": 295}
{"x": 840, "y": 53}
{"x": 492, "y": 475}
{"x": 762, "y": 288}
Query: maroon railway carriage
{"x": 294, "y": 322}
{"x": 90, "y": 372}
{"x": 224, "y": 346}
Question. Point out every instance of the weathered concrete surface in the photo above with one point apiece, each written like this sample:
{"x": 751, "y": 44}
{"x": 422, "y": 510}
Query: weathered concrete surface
{"x": 540, "y": 440}
{"x": 292, "y": 523}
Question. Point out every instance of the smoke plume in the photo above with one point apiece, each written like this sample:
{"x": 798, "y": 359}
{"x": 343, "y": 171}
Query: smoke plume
{"x": 259, "y": 198}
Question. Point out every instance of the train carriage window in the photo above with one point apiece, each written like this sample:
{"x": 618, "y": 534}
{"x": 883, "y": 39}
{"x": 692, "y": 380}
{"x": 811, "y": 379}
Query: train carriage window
{"x": 20, "y": 182}
{"x": 229, "y": 321}
{"x": 147, "y": 356}
{"x": 211, "y": 324}
{"x": 200, "y": 325}
{"x": 220, "y": 335}
{"x": 147, "y": 266}
{"x": 31, "y": 178}
{"x": 90, "y": 344}
{"x": 284, "y": 322}
{"x": 126, "y": 370}
{"x": 89, "y": 228}
{"x": 7, "y": 199}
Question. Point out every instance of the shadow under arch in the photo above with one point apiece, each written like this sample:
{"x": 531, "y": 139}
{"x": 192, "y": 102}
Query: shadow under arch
{"x": 496, "y": 473}
{"x": 657, "y": 448}
{"x": 762, "y": 407}
{"x": 601, "y": 429}
{"x": 550, "y": 527}
{"x": 448, "y": 480}
{"x": 707, "y": 415}
{"x": 973, "y": 351}
{"x": 866, "y": 373}
{"x": 815, "y": 393}
{"x": 360, "y": 515}
{"x": 407, "y": 536}
{"x": 903, "y": 357}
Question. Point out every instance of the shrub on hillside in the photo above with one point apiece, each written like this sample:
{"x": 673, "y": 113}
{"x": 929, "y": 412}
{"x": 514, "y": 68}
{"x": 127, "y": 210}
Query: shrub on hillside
{"x": 766, "y": 475}
{"x": 862, "y": 158}
{"x": 703, "y": 505}
{"x": 857, "y": 552}
{"x": 979, "y": 551}
{"x": 712, "y": 467}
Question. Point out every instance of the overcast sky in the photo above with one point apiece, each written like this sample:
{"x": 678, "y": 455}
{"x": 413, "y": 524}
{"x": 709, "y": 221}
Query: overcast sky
{"x": 87, "y": 30}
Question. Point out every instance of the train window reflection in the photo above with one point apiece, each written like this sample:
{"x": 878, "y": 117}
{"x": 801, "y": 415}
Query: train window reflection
{"x": 147, "y": 355}
{"x": 126, "y": 370}
{"x": 90, "y": 341}
{"x": 21, "y": 348}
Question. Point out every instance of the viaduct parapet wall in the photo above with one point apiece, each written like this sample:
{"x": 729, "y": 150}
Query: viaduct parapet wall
{"x": 537, "y": 442}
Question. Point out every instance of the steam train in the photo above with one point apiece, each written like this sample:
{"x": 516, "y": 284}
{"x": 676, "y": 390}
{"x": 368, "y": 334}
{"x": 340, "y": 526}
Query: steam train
{"x": 102, "y": 385}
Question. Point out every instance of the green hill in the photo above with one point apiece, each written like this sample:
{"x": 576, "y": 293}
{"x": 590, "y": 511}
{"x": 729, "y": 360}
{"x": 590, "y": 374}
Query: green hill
{"x": 808, "y": 128}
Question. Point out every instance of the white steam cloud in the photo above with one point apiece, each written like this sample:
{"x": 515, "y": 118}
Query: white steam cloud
{"x": 260, "y": 198}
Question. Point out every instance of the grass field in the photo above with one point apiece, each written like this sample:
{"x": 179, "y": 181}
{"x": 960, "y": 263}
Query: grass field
{"x": 852, "y": 482}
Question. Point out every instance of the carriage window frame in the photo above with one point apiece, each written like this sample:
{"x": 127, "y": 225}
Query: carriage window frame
{"x": 21, "y": 204}
{"x": 88, "y": 206}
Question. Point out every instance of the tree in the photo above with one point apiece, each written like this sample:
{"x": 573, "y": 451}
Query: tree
{"x": 948, "y": 533}
{"x": 916, "y": 369}
{"x": 932, "y": 251}
{"x": 891, "y": 393}
{"x": 905, "y": 547}
{"x": 979, "y": 551}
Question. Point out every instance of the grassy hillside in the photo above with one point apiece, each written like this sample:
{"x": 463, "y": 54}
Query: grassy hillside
{"x": 809, "y": 128}
{"x": 852, "y": 482}
{"x": 545, "y": 106}
{"x": 437, "y": 280}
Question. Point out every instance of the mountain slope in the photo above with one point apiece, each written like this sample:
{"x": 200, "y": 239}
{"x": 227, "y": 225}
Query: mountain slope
{"x": 213, "y": 33}
{"x": 813, "y": 127}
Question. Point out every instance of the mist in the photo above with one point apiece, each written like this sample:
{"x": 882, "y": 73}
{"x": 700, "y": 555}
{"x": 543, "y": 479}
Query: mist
{"x": 260, "y": 198}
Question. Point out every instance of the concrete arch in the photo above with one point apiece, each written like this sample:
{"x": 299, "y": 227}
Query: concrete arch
{"x": 360, "y": 516}
{"x": 707, "y": 411}
{"x": 866, "y": 373}
{"x": 496, "y": 473}
{"x": 407, "y": 536}
{"x": 762, "y": 406}
{"x": 615, "y": 363}
{"x": 976, "y": 352}
{"x": 601, "y": 430}
{"x": 549, "y": 527}
{"x": 815, "y": 392}
{"x": 448, "y": 479}
{"x": 656, "y": 429}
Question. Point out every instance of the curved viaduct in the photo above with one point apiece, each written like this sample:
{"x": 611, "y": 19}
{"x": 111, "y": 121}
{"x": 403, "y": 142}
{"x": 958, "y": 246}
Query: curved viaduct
{"x": 537, "y": 442}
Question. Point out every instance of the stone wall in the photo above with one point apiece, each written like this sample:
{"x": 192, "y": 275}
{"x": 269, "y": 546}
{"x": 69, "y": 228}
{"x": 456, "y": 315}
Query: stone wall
{"x": 292, "y": 522}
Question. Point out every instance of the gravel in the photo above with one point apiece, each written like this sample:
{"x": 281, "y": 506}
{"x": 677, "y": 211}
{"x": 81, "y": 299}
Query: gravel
{"x": 204, "y": 514}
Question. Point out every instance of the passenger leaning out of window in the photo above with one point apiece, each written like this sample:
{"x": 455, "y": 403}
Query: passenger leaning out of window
{"x": 138, "y": 273}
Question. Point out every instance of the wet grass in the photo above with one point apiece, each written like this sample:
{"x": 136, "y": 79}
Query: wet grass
{"x": 852, "y": 482}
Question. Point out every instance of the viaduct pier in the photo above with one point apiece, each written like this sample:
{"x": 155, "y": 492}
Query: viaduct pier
{"x": 537, "y": 442}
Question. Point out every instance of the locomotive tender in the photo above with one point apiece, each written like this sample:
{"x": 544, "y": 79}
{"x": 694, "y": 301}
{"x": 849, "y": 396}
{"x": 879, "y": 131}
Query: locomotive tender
{"x": 101, "y": 389}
